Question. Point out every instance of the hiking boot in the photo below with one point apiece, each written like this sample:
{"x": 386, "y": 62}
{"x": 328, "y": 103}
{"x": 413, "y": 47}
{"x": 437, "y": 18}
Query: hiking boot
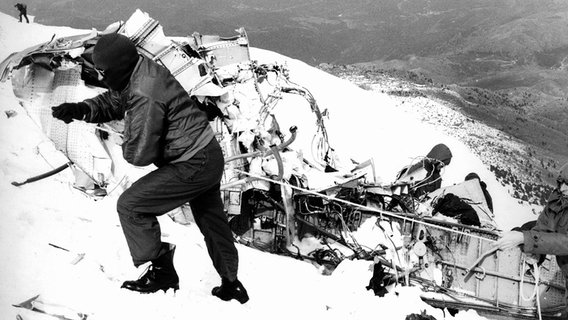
{"x": 160, "y": 275}
{"x": 231, "y": 290}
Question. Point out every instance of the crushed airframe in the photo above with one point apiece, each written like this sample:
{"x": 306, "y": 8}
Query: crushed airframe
{"x": 266, "y": 185}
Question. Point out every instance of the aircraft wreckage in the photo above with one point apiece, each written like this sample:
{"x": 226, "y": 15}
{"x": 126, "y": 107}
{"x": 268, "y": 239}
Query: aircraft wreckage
{"x": 278, "y": 195}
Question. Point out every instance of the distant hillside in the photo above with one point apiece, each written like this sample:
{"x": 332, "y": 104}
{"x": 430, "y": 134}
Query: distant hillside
{"x": 488, "y": 44}
{"x": 526, "y": 113}
{"x": 492, "y": 124}
{"x": 347, "y": 32}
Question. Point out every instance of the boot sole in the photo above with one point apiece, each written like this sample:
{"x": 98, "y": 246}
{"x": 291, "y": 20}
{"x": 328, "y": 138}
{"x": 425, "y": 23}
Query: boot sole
{"x": 165, "y": 289}
{"x": 241, "y": 299}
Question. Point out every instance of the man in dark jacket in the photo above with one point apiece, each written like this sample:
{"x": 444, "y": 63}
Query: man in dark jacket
{"x": 163, "y": 125}
{"x": 23, "y": 11}
{"x": 550, "y": 233}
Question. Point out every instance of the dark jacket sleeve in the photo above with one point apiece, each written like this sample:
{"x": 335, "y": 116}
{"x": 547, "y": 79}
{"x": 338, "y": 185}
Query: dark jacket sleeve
{"x": 104, "y": 108}
{"x": 144, "y": 124}
{"x": 542, "y": 238}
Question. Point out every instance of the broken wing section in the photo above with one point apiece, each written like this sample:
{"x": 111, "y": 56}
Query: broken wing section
{"x": 38, "y": 89}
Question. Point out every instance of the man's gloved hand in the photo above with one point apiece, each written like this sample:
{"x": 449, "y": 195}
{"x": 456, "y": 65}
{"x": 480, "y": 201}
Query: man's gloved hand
{"x": 69, "y": 111}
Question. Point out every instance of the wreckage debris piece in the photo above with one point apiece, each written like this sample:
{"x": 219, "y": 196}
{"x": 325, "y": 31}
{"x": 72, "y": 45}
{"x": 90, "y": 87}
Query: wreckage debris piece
{"x": 422, "y": 316}
{"x": 473, "y": 265}
{"x": 35, "y": 304}
{"x": 10, "y": 113}
{"x": 42, "y": 176}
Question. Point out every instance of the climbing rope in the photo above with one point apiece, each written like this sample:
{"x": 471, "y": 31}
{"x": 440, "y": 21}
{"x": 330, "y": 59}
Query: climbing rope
{"x": 536, "y": 274}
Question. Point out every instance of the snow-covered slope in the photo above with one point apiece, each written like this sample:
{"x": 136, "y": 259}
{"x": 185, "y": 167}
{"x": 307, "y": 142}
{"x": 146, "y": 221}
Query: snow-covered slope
{"x": 369, "y": 124}
{"x": 36, "y": 217}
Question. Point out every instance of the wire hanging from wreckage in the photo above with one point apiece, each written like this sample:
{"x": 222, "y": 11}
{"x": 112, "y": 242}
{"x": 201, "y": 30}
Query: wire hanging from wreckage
{"x": 330, "y": 257}
{"x": 321, "y": 148}
{"x": 379, "y": 211}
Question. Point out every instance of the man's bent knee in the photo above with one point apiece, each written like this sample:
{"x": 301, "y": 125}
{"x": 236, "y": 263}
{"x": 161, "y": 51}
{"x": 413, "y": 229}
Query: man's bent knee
{"x": 125, "y": 204}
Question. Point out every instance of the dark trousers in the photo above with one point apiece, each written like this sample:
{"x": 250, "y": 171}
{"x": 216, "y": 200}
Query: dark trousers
{"x": 196, "y": 181}
{"x": 25, "y": 16}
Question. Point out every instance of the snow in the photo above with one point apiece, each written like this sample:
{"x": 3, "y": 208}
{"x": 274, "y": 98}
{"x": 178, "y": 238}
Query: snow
{"x": 39, "y": 215}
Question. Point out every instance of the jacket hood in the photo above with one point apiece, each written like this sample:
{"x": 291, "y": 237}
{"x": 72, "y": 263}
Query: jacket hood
{"x": 558, "y": 202}
{"x": 116, "y": 56}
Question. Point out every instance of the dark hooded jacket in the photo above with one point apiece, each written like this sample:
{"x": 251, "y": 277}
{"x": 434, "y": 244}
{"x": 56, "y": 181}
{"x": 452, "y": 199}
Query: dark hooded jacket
{"x": 550, "y": 234}
{"x": 22, "y": 8}
{"x": 162, "y": 123}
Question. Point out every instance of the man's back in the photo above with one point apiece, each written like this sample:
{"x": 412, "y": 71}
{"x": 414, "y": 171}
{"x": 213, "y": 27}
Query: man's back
{"x": 21, "y": 7}
{"x": 188, "y": 128}
{"x": 177, "y": 128}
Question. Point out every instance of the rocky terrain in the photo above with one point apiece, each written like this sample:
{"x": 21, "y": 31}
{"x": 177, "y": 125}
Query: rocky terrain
{"x": 528, "y": 170}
